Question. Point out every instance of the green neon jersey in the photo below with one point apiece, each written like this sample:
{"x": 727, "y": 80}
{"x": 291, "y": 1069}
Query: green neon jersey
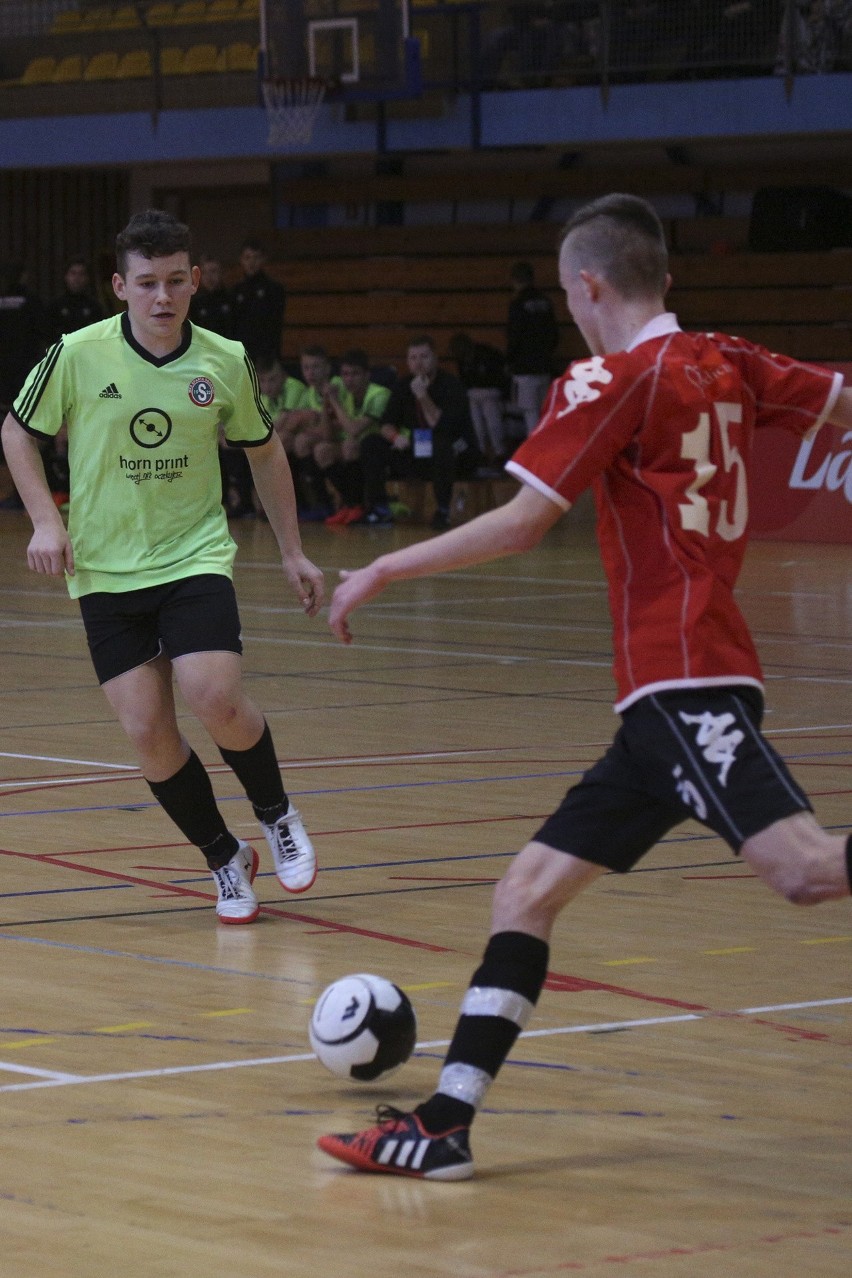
{"x": 143, "y": 435}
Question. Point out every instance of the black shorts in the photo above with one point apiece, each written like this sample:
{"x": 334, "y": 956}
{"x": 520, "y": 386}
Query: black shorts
{"x": 130, "y": 628}
{"x": 686, "y": 753}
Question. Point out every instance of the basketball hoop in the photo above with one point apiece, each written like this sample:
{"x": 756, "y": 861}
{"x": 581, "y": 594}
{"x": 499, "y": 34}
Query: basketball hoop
{"x": 292, "y": 107}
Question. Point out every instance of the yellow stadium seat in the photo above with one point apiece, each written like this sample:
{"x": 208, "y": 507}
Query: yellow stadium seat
{"x": 200, "y": 59}
{"x": 97, "y": 19}
{"x": 102, "y": 66}
{"x": 68, "y": 69}
{"x": 124, "y": 18}
{"x": 38, "y": 71}
{"x": 68, "y": 20}
{"x": 135, "y": 65}
{"x": 161, "y": 15}
{"x": 171, "y": 60}
{"x": 223, "y": 10}
{"x": 240, "y": 56}
{"x": 191, "y": 11}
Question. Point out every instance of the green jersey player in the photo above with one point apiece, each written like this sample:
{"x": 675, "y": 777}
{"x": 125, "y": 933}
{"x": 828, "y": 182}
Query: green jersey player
{"x": 147, "y": 551}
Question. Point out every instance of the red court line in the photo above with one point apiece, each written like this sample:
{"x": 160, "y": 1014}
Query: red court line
{"x": 329, "y": 925}
{"x": 563, "y": 983}
{"x": 556, "y": 981}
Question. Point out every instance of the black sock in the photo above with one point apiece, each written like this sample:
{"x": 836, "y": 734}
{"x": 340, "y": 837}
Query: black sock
{"x": 257, "y": 771}
{"x": 849, "y": 861}
{"x": 188, "y": 799}
{"x": 499, "y": 1000}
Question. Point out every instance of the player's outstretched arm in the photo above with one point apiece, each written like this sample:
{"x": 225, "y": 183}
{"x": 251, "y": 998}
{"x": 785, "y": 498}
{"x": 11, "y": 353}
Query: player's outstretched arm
{"x": 509, "y": 529}
{"x": 271, "y": 474}
{"x": 841, "y": 413}
{"x": 50, "y": 550}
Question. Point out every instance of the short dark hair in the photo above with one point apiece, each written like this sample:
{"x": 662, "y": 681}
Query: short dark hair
{"x": 153, "y": 233}
{"x": 79, "y": 260}
{"x": 522, "y": 273}
{"x": 422, "y": 340}
{"x": 357, "y": 359}
{"x": 268, "y": 364}
{"x": 318, "y": 352}
{"x": 622, "y": 237}
{"x": 253, "y": 244}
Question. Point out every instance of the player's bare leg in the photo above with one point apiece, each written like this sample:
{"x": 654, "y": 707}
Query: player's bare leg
{"x": 143, "y": 700}
{"x": 800, "y": 860}
{"x": 432, "y": 1142}
{"x": 211, "y": 684}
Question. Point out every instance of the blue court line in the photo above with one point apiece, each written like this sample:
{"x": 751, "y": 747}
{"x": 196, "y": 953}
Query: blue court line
{"x": 348, "y": 789}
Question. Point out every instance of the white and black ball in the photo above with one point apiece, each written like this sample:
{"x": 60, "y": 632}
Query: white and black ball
{"x": 363, "y": 1027}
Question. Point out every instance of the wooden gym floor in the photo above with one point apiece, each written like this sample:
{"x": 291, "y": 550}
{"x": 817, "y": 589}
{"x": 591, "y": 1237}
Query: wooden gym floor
{"x": 680, "y": 1105}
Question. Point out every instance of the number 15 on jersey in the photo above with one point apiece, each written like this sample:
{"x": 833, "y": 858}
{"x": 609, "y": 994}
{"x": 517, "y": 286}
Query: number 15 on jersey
{"x": 695, "y": 447}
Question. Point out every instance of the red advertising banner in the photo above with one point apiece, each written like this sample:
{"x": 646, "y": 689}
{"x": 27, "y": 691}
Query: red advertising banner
{"x": 801, "y": 490}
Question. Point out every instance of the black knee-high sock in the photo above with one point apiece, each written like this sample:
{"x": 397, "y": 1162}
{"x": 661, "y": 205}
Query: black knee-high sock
{"x": 849, "y": 861}
{"x": 258, "y": 773}
{"x": 188, "y": 798}
{"x": 498, "y": 1003}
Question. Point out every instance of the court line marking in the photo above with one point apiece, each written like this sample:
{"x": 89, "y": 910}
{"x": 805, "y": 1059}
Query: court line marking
{"x": 51, "y": 1075}
{"x": 83, "y": 763}
{"x": 601, "y": 1027}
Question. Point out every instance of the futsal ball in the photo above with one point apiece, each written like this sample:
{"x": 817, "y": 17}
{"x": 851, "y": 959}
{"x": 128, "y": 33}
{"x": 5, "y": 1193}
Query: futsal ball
{"x": 363, "y": 1027}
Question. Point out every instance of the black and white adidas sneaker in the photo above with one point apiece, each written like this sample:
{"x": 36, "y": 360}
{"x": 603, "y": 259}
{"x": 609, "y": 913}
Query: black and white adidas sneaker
{"x": 400, "y": 1145}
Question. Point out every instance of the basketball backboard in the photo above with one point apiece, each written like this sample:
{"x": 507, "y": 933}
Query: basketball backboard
{"x": 362, "y": 48}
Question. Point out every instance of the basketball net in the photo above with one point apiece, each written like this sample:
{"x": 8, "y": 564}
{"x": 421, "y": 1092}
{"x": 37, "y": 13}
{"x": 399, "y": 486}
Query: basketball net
{"x": 292, "y": 107}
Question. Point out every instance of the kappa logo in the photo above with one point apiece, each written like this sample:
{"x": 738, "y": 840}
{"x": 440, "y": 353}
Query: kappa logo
{"x": 579, "y": 388}
{"x": 110, "y": 392}
{"x": 715, "y": 740}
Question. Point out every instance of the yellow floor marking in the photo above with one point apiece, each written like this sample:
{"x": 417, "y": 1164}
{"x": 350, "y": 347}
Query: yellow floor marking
{"x": 627, "y": 962}
{"x": 229, "y": 1011}
{"x": 123, "y": 1029}
{"x": 430, "y": 985}
{"x": 826, "y": 940}
{"x": 36, "y": 1041}
{"x": 733, "y": 949}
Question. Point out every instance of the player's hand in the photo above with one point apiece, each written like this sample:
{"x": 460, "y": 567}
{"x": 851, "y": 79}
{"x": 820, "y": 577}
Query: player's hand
{"x": 307, "y": 582}
{"x": 355, "y": 589}
{"x": 50, "y": 551}
{"x": 419, "y": 386}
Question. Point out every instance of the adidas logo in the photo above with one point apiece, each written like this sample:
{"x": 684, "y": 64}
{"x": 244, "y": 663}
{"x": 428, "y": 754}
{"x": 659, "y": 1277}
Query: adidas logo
{"x": 110, "y": 392}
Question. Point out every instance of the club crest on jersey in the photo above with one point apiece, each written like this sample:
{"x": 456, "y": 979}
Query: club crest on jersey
{"x": 201, "y": 391}
{"x": 579, "y": 388}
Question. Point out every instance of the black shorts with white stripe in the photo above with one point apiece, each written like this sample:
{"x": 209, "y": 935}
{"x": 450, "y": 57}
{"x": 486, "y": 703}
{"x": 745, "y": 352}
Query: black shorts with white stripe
{"x": 696, "y": 753}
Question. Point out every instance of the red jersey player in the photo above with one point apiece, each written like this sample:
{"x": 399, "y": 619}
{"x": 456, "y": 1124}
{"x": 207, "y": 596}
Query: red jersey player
{"x": 660, "y": 424}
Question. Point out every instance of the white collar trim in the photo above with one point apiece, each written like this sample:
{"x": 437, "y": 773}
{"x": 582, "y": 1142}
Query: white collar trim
{"x": 659, "y": 326}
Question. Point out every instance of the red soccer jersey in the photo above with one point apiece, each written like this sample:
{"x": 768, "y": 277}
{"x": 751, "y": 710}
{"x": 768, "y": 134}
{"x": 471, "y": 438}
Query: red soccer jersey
{"x": 663, "y": 433}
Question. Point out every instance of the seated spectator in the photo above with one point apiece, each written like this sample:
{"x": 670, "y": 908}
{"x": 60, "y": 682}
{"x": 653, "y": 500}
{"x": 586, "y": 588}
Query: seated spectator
{"x": 314, "y": 446}
{"x": 77, "y": 306}
{"x": 426, "y": 433}
{"x": 355, "y": 412}
{"x": 283, "y": 398}
{"x": 482, "y": 371}
{"x": 212, "y": 305}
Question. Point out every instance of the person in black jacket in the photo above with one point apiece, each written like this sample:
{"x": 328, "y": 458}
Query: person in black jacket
{"x": 212, "y": 306}
{"x": 532, "y": 336}
{"x": 77, "y": 306}
{"x": 258, "y": 302}
{"x": 426, "y": 433}
{"x": 482, "y": 370}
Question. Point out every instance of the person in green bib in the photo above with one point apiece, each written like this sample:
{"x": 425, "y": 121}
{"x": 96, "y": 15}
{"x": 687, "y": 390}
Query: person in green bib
{"x": 147, "y": 552}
